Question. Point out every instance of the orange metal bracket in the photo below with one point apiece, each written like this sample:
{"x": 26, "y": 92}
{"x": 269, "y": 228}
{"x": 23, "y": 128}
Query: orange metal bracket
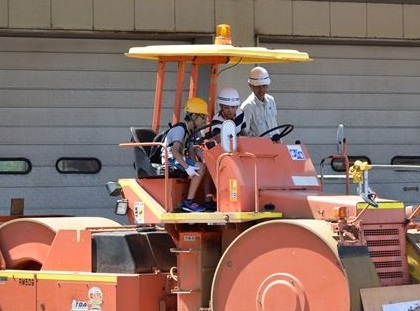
{"x": 178, "y": 93}
{"x": 158, "y": 96}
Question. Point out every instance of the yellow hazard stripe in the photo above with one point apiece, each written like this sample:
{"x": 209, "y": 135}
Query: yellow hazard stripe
{"x": 17, "y": 275}
{"x": 382, "y": 205}
{"x": 78, "y": 277}
{"x": 91, "y": 277}
{"x": 216, "y": 217}
{"x": 219, "y": 217}
{"x": 152, "y": 204}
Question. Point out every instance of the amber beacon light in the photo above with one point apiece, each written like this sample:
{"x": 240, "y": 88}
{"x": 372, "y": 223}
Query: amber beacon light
{"x": 223, "y": 35}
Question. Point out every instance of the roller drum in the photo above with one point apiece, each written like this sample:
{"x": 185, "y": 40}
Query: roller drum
{"x": 282, "y": 265}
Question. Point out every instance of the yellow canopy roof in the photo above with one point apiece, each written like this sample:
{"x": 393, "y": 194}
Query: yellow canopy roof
{"x": 211, "y": 53}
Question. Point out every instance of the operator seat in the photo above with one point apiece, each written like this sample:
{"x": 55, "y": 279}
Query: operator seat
{"x": 142, "y": 135}
{"x": 143, "y": 165}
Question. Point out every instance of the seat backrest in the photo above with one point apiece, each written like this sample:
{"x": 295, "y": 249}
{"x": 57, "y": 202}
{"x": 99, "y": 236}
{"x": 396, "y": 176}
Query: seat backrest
{"x": 143, "y": 160}
{"x": 142, "y": 163}
{"x": 142, "y": 135}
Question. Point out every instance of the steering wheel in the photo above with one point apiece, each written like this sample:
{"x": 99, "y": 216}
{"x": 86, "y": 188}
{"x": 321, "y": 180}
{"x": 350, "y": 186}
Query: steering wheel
{"x": 199, "y": 141}
{"x": 287, "y": 128}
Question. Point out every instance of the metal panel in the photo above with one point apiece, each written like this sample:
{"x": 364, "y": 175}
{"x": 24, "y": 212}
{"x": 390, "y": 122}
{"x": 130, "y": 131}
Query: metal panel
{"x": 71, "y": 97}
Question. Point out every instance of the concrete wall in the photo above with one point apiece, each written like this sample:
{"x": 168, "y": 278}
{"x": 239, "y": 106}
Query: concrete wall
{"x": 389, "y": 20}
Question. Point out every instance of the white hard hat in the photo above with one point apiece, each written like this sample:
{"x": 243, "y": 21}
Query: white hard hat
{"x": 229, "y": 97}
{"x": 259, "y": 76}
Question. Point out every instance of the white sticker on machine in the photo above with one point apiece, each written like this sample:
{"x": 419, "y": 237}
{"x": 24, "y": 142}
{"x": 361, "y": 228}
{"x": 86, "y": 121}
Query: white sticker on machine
{"x": 139, "y": 212}
{"x": 95, "y": 299}
{"x": 94, "y": 303}
{"x": 233, "y": 190}
{"x": 305, "y": 181}
{"x": 296, "y": 152}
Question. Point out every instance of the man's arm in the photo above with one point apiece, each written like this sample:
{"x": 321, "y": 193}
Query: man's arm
{"x": 246, "y": 108}
{"x": 273, "y": 116}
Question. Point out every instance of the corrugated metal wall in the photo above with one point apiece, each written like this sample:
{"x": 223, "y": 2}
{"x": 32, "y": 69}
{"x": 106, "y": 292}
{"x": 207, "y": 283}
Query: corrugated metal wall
{"x": 78, "y": 97}
{"x": 70, "y": 98}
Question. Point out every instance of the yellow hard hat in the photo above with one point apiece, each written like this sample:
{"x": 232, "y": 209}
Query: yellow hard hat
{"x": 196, "y": 105}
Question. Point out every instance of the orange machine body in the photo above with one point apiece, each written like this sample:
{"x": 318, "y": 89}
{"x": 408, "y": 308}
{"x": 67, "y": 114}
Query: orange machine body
{"x": 73, "y": 264}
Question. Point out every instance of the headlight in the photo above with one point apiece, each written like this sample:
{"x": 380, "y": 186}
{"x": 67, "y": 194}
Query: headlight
{"x": 121, "y": 207}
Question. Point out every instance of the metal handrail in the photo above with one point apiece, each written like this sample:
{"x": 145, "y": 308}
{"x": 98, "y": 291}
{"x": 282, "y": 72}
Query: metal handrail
{"x": 165, "y": 148}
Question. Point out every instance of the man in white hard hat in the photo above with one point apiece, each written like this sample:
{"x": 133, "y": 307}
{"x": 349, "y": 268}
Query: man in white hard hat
{"x": 228, "y": 100}
{"x": 260, "y": 108}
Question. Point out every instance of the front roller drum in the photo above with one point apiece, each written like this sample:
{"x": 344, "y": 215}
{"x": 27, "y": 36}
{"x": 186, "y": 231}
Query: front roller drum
{"x": 282, "y": 265}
